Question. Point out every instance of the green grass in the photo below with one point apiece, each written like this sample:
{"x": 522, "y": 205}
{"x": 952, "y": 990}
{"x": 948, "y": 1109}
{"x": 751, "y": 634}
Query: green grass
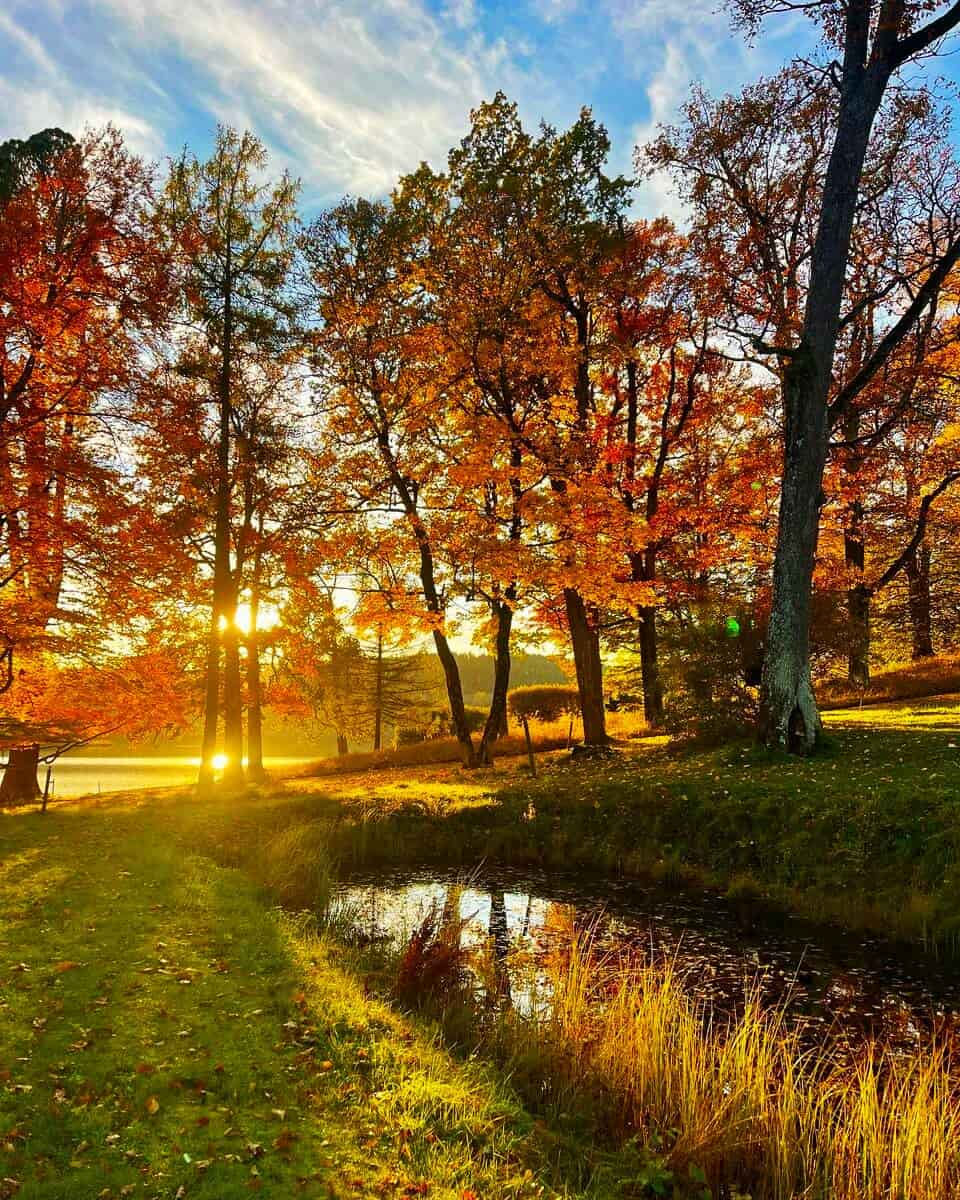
{"x": 165, "y": 1032}
{"x": 866, "y": 833}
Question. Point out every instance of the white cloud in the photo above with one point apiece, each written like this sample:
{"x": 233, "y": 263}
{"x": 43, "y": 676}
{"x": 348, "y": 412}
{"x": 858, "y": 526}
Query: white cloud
{"x": 353, "y": 95}
{"x": 27, "y": 109}
{"x": 552, "y": 11}
{"x": 26, "y": 42}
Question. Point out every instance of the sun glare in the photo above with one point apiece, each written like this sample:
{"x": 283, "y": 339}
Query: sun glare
{"x": 219, "y": 762}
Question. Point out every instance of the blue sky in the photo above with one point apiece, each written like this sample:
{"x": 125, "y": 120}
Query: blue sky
{"x": 350, "y": 94}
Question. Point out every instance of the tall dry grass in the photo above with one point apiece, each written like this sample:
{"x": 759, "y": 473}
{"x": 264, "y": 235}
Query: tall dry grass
{"x": 900, "y": 681}
{"x": 747, "y": 1099}
{"x": 547, "y": 735}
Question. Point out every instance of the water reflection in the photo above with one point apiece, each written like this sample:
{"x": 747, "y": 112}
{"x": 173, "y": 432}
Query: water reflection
{"x": 859, "y": 987}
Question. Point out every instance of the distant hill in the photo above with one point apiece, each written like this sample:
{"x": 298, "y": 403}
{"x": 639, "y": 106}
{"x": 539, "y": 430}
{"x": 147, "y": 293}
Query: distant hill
{"x": 284, "y": 738}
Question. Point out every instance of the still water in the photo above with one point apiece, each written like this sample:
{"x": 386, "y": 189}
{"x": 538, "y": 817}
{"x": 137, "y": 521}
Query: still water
{"x": 82, "y": 776}
{"x": 856, "y": 984}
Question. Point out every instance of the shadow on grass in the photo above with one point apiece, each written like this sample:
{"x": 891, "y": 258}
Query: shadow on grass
{"x": 162, "y": 1028}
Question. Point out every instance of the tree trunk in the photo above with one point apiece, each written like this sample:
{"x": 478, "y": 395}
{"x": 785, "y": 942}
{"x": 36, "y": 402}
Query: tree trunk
{"x": 342, "y": 747}
{"x": 458, "y": 713}
{"x": 917, "y": 568}
{"x": 650, "y": 668}
{"x": 211, "y": 704}
{"x": 378, "y": 694}
{"x": 222, "y": 617}
{"x": 254, "y": 703}
{"x": 497, "y": 716}
{"x": 451, "y": 672}
{"x": 585, "y": 640}
{"x": 788, "y": 716}
{"x": 20, "y": 784}
{"x": 233, "y": 773}
{"x": 788, "y": 710}
{"x": 858, "y": 650}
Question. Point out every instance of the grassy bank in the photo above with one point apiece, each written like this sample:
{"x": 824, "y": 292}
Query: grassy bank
{"x": 867, "y": 833}
{"x": 165, "y": 1032}
{"x": 935, "y": 676}
{"x": 546, "y": 736}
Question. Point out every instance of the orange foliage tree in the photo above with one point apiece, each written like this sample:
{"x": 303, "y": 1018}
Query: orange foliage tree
{"x": 82, "y": 280}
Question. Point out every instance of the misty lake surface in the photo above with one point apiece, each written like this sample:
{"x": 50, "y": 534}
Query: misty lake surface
{"x": 852, "y": 984}
{"x": 82, "y": 776}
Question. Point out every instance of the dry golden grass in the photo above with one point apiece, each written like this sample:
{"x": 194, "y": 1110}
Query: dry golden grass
{"x": 743, "y": 1099}
{"x": 547, "y": 736}
{"x": 939, "y": 676}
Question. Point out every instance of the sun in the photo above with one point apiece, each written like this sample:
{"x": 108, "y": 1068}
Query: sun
{"x": 219, "y": 762}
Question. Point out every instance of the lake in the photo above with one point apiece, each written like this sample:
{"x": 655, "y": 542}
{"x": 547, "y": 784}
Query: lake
{"x": 82, "y": 775}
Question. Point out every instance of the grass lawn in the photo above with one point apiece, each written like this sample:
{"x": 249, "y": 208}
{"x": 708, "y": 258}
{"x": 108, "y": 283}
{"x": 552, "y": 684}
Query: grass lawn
{"x": 164, "y": 1032}
{"x": 866, "y": 833}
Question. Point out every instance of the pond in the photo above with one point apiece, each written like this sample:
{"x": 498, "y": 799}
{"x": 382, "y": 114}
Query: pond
{"x": 850, "y": 982}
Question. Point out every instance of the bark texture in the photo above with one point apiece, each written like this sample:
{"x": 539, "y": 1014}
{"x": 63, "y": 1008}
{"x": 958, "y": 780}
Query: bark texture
{"x": 585, "y": 640}
{"x": 650, "y": 667}
{"x": 917, "y": 568}
{"x": 19, "y": 785}
{"x": 497, "y": 716}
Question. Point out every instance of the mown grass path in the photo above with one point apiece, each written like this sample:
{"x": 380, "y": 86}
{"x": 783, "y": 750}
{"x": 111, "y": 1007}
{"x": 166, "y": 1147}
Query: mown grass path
{"x": 165, "y": 1033}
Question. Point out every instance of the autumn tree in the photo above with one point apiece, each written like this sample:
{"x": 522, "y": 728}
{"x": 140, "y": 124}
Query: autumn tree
{"x": 873, "y": 43}
{"x": 516, "y": 244}
{"x": 236, "y": 235}
{"x": 81, "y": 281}
{"x": 370, "y": 353}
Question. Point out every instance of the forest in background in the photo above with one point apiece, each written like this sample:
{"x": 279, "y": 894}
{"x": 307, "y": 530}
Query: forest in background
{"x": 242, "y": 451}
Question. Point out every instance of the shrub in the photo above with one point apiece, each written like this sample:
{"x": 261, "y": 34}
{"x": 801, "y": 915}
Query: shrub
{"x": 439, "y": 722}
{"x": 409, "y": 735}
{"x": 543, "y": 702}
{"x": 432, "y": 966}
{"x": 712, "y": 658}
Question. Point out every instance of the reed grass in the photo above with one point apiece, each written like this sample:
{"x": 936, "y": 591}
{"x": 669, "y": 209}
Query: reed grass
{"x": 747, "y": 1100}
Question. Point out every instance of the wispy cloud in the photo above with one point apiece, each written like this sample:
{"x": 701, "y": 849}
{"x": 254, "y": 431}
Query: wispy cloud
{"x": 348, "y": 94}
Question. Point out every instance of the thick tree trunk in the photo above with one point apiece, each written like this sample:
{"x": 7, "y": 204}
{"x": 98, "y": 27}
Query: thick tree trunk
{"x": 650, "y": 667}
{"x": 19, "y": 785}
{"x": 585, "y": 640}
{"x": 917, "y": 568}
{"x": 858, "y": 625}
{"x": 342, "y": 746}
{"x": 788, "y": 710}
{"x": 497, "y": 716}
{"x": 789, "y": 716}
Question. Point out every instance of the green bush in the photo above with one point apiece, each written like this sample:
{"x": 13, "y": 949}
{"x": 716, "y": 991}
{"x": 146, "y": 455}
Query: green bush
{"x": 543, "y": 702}
{"x": 713, "y": 667}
